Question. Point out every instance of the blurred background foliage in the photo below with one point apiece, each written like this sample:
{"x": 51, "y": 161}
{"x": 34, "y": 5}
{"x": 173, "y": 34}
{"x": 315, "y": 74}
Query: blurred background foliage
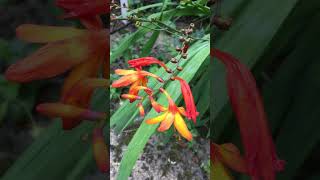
{"x": 24, "y": 134}
{"x": 279, "y": 41}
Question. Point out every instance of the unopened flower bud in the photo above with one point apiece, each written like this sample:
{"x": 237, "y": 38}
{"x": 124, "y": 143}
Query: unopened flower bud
{"x": 160, "y": 79}
{"x": 173, "y": 60}
{"x": 169, "y": 70}
{"x": 182, "y": 39}
{"x": 178, "y": 49}
{"x": 184, "y": 55}
{"x": 172, "y": 78}
{"x": 179, "y": 68}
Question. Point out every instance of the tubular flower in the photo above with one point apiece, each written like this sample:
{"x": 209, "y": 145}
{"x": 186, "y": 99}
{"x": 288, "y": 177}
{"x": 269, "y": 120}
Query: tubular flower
{"x": 260, "y": 153}
{"x": 68, "y": 111}
{"x": 87, "y": 10}
{"x": 100, "y": 150}
{"x": 146, "y": 61}
{"x": 138, "y": 81}
{"x": 132, "y": 77}
{"x": 171, "y": 115}
{"x": 191, "y": 109}
{"x": 79, "y": 95}
{"x": 66, "y": 48}
{"x": 141, "y": 109}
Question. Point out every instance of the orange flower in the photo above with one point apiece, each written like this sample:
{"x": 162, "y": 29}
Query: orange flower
{"x": 138, "y": 81}
{"x": 68, "y": 111}
{"x": 260, "y": 152}
{"x": 171, "y": 115}
{"x": 66, "y": 48}
{"x": 191, "y": 109}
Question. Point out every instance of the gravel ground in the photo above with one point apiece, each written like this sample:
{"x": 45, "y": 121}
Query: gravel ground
{"x": 160, "y": 162}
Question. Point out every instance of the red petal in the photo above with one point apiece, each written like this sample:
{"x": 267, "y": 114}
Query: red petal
{"x": 146, "y": 61}
{"x": 125, "y": 81}
{"x": 191, "y": 109}
{"x": 92, "y": 22}
{"x": 80, "y": 8}
{"x": 100, "y": 150}
{"x": 247, "y": 104}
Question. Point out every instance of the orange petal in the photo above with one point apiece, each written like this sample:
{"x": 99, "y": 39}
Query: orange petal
{"x": 100, "y": 150}
{"x": 88, "y": 69}
{"x": 44, "y": 34}
{"x": 68, "y": 111}
{"x": 80, "y": 93}
{"x": 125, "y": 72}
{"x": 182, "y": 111}
{"x": 125, "y": 81}
{"x": 157, "y": 119}
{"x": 172, "y": 105}
{"x": 156, "y": 106}
{"x": 136, "y": 89}
{"x": 230, "y": 155}
{"x": 166, "y": 123}
{"x": 131, "y": 97}
{"x": 141, "y": 109}
{"x": 52, "y": 59}
{"x": 145, "y": 73}
{"x": 181, "y": 127}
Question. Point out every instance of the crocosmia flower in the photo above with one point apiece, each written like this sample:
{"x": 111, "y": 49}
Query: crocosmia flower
{"x": 171, "y": 115}
{"x": 66, "y": 48}
{"x": 87, "y": 10}
{"x": 146, "y": 61}
{"x": 191, "y": 109}
{"x": 260, "y": 153}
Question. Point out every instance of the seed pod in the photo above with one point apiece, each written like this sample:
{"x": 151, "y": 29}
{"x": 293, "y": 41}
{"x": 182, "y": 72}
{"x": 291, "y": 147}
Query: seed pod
{"x": 172, "y": 78}
{"x": 178, "y": 49}
{"x": 179, "y": 68}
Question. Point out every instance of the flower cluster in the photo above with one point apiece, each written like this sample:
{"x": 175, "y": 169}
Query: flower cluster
{"x": 260, "y": 160}
{"x": 83, "y": 52}
{"x": 138, "y": 79}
